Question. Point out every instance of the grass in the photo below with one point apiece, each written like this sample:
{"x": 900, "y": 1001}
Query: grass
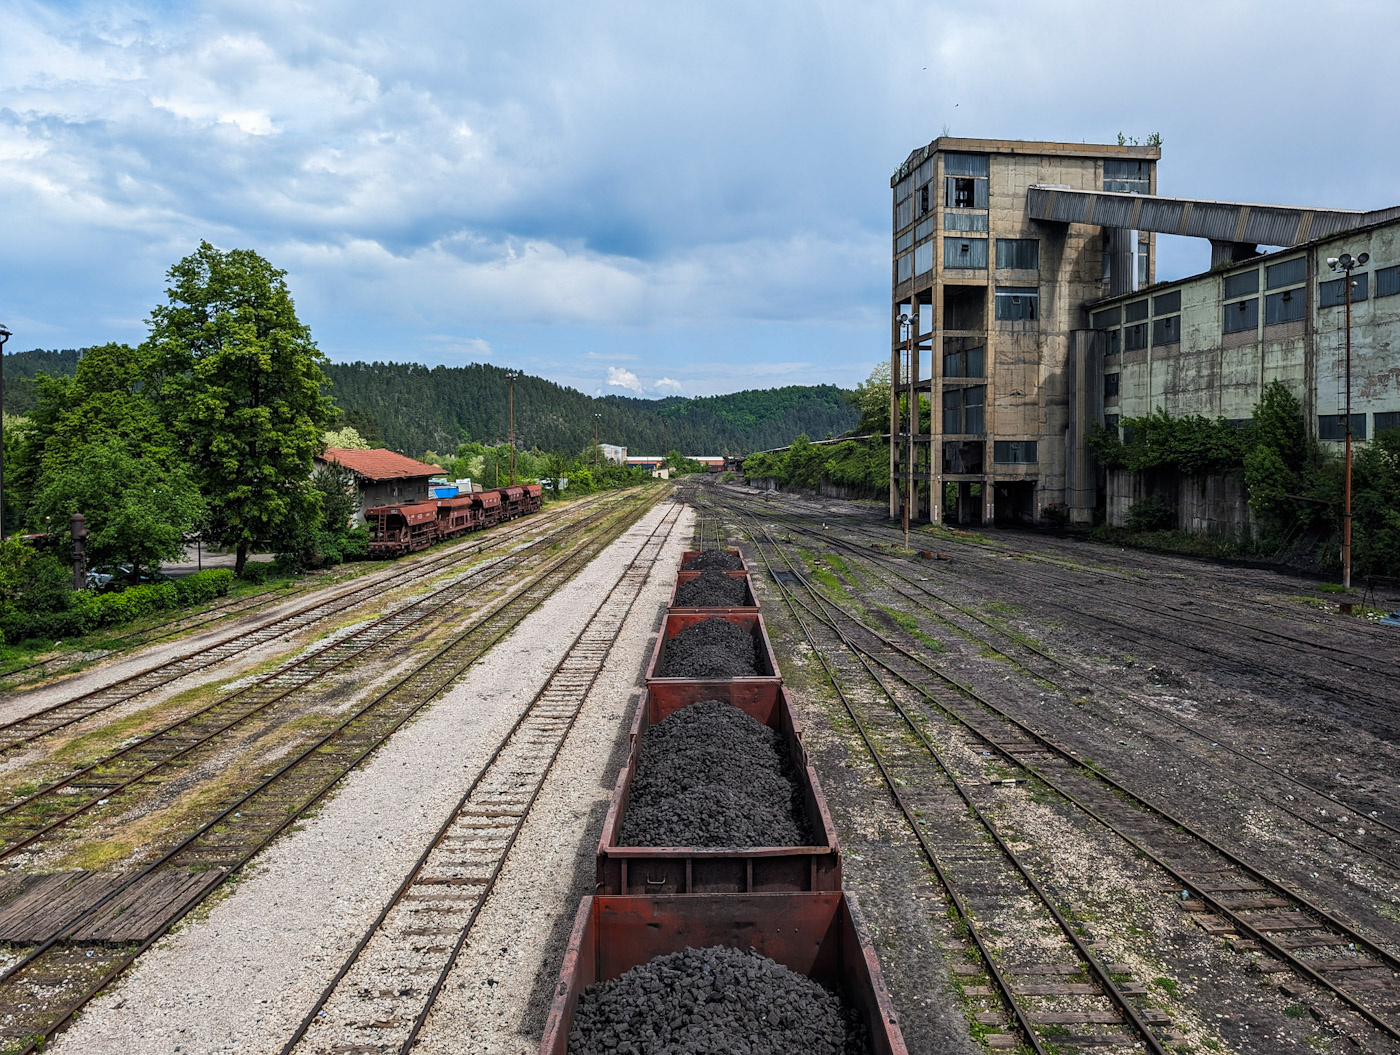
{"x": 1168, "y": 986}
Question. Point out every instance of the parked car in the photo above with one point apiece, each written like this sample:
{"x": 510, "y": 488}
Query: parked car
{"x": 109, "y": 578}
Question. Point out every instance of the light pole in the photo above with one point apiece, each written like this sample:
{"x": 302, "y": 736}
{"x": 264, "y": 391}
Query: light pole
{"x": 909, "y": 324}
{"x": 1344, "y": 264}
{"x": 4, "y": 336}
{"x": 596, "y": 418}
{"x": 511, "y": 378}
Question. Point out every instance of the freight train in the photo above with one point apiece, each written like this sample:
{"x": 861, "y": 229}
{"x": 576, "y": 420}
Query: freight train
{"x": 399, "y": 529}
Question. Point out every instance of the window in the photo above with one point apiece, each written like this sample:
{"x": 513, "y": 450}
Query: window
{"x": 964, "y": 221}
{"x": 963, "y": 410}
{"x": 964, "y": 457}
{"x": 1242, "y": 315}
{"x": 1333, "y": 426}
{"x": 923, "y": 229}
{"x": 1018, "y": 253}
{"x": 1135, "y": 337}
{"x": 964, "y": 252}
{"x": 1334, "y": 293}
{"x": 1114, "y": 344}
{"x": 1289, "y": 273}
{"x": 1288, "y": 306}
{"x": 1242, "y": 284}
{"x": 1167, "y": 331}
{"x": 1110, "y": 388}
{"x": 923, "y": 200}
{"x": 1135, "y": 312}
{"x": 965, "y": 193}
{"x": 967, "y": 362}
{"x": 966, "y": 165}
{"x": 1388, "y": 420}
{"x": 1388, "y": 281}
{"x": 1103, "y": 320}
{"x": 904, "y": 213}
{"x": 923, "y": 258}
{"x": 1167, "y": 303}
{"x": 1131, "y": 177}
{"x": 1110, "y": 421}
{"x": 904, "y": 241}
{"x": 1017, "y": 303}
{"x": 904, "y": 267}
{"x": 1014, "y": 452}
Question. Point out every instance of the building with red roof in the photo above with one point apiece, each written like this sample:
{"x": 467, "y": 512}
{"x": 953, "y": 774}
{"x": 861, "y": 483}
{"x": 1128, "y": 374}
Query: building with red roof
{"x": 382, "y": 477}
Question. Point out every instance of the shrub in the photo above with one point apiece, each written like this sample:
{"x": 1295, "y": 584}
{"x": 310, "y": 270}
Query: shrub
{"x": 1150, "y": 514}
{"x": 204, "y": 586}
{"x": 255, "y": 572}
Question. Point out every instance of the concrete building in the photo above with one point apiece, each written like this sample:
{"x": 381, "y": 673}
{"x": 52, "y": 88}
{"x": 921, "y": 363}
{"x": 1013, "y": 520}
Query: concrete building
{"x": 611, "y": 452}
{"x": 1000, "y": 248}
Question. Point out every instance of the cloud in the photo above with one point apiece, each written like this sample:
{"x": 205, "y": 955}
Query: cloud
{"x": 619, "y": 378}
{"x": 669, "y": 385}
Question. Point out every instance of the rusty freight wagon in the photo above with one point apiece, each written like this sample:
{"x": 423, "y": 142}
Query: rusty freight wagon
{"x": 396, "y": 530}
{"x": 730, "y": 869}
{"x": 660, "y": 672}
{"x": 819, "y": 935}
{"x": 750, "y": 603}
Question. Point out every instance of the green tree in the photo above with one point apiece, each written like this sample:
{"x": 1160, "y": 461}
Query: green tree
{"x": 336, "y": 485}
{"x": 240, "y": 380}
{"x": 346, "y": 439}
{"x": 137, "y": 512}
{"x": 872, "y": 398}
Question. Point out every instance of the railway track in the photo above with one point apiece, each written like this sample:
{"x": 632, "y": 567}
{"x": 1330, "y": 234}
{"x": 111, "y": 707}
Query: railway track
{"x": 72, "y": 934}
{"x": 1380, "y": 837}
{"x": 387, "y": 986}
{"x": 24, "y": 731}
{"x": 127, "y": 771}
{"x": 1230, "y": 894}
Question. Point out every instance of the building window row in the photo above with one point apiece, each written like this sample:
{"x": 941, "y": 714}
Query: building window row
{"x": 1333, "y": 426}
{"x": 1331, "y": 294}
{"x": 1124, "y": 176}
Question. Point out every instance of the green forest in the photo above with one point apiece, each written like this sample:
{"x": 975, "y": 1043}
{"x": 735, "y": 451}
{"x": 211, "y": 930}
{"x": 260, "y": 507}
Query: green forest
{"x": 414, "y": 408}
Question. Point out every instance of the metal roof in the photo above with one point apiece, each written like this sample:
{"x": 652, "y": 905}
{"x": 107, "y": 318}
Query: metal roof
{"x": 1220, "y": 221}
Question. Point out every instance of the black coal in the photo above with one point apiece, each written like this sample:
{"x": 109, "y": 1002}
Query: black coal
{"x": 711, "y": 775}
{"x": 712, "y": 589}
{"x": 715, "y": 1001}
{"x": 713, "y": 560}
{"x": 711, "y": 648}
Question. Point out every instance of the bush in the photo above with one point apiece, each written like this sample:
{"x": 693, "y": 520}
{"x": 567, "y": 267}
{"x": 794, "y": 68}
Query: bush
{"x": 255, "y": 572}
{"x": 204, "y": 586}
{"x": 1150, "y": 514}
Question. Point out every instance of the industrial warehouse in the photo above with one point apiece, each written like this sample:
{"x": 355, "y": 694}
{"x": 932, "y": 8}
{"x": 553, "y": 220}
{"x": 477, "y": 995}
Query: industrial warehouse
{"x": 1026, "y": 311}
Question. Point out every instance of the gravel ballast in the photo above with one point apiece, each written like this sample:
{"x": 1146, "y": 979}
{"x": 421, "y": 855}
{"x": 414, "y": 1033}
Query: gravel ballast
{"x": 711, "y": 775}
{"x": 715, "y": 1001}
{"x": 713, "y": 560}
{"x": 712, "y": 589}
{"x": 712, "y": 648}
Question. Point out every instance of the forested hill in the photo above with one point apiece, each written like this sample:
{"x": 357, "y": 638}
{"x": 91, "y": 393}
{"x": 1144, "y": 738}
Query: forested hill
{"x": 428, "y": 408}
{"x": 416, "y": 408}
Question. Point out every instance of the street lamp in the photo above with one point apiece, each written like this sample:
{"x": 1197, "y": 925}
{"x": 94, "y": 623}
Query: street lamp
{"x": 4, "y": 336}
{"x": 1343, "y": 265}
{"x": 596, "y": 418}
{"x": 511, "y": 378}
{"x": 908, "y": 324}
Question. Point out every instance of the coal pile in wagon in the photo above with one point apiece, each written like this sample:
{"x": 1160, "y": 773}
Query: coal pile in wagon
{"x": 711, "y": 648}
{"x": 712, "y": 589}
{"x": 711, "y": 775}
{"x": 715, "y": 1001}
{"x": 713, "y": 560}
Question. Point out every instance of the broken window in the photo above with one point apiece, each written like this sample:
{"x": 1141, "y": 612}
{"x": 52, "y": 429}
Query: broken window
{"x": 1287, "y": 273}
{"x": 964, "y": 252}
{"x": 1333, "y": 426}
{"x": 1242, "y": 284}
{"x": 964, "y": 192}
{"x": 964, "y": 457}
{"x": 1287, "y": 306}
{"x": 1014, "y": 452}
{"x": 1018, "y": 253}
{"x": 1017, "y": 303}
{"x": 1242, "y": 315}
{"x": 1166, "y": 330}
{"x": 1334, "y": 293}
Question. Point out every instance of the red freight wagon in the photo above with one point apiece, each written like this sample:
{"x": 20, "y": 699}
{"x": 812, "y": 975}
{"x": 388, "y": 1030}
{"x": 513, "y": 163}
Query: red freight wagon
{"x": 489, "y": 503}
{"x": 456, "y": 516}
{"x": 394, "y": 530}
{"x": 819, "y": 935}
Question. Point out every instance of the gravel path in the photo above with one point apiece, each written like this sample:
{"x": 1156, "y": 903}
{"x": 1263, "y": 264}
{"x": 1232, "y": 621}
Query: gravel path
{"x": 239, "y": 978}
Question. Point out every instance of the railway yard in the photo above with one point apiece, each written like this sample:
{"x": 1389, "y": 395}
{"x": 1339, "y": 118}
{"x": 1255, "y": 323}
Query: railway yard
{"x": 997, "y": 791}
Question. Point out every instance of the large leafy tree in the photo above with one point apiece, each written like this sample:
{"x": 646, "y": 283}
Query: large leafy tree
{"x": 240, "y": 380}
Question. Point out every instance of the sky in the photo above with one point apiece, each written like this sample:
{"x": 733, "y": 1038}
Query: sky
{"x": 632, "y": 198}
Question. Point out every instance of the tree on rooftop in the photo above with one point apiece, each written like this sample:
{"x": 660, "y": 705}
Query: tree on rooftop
{"x": 238, "y": 377}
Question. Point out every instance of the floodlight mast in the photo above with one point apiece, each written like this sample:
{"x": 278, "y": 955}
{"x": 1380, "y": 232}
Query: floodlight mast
{"x": 1345, "y": 264}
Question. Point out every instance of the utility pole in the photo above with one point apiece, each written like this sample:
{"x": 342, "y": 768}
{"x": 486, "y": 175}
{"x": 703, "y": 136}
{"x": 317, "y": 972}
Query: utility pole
{"x": 1344, "y": 264}
{"x": 4, "y": 336}
{"x": 511, "y": 378}
{"x": 596, "y": 418}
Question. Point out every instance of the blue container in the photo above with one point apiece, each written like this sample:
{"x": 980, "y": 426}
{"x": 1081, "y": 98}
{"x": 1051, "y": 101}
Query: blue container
{"x": 444, "y": 492}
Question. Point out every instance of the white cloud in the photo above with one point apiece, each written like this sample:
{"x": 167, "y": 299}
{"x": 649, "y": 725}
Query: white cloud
{"x": 619, "y": 378}
{"x": 669, "y": 385}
